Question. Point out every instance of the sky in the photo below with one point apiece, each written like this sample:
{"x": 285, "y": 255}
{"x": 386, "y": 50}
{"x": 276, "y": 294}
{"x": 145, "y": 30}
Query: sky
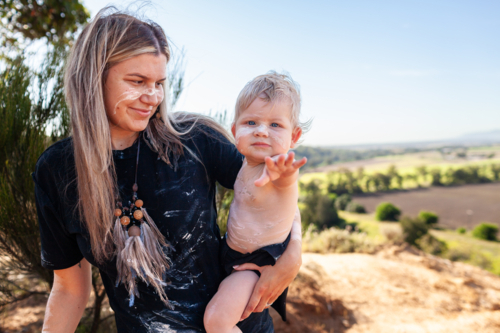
{"x": 369, "y": 71}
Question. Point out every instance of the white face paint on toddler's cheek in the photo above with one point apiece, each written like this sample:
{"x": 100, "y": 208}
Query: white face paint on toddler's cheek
{"x": 241, "y": 132}
{"x": 279, "y": 141}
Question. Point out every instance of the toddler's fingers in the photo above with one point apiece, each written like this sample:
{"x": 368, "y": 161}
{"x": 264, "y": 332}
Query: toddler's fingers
{"x": 300, "y": 163}
{"x": 289, "y": 159}
{"x": 281, "y": 161}
{"x": 263, "y": 180}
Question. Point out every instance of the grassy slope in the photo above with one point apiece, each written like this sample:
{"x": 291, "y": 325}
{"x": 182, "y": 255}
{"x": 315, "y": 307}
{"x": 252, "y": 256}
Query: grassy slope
{"x": 465, "y": 248}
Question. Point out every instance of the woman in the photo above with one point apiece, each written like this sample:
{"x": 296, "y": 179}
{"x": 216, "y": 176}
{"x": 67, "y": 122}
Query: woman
{"x": 126, "y": 149}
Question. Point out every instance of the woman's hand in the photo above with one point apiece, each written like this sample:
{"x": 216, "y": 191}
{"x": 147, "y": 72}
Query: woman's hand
{"x": 275, "y": 279}
{"x": 68, "y": 298}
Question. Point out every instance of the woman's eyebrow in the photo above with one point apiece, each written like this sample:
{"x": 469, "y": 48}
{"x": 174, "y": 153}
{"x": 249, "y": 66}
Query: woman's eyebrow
{"x": 143, "y": 77}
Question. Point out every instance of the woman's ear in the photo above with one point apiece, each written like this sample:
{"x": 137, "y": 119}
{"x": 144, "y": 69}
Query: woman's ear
{"x": 296, "y": 134}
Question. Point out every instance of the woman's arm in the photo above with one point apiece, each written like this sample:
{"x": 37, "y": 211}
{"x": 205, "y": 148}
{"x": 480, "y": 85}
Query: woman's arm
{"x": 68, "y": 298}
{"x": 275, "y": 279}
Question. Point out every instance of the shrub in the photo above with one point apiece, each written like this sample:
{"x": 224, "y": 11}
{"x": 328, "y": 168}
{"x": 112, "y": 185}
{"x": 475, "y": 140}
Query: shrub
{"x": 486, "y": 231}
{"x": 431, "y": 244}
{"x": 461, "y": 230}
{"x": 428, "y": 217}
{"x": 326, "y": 215}
{"x": 355, "y": 207}
{"x": 413, "y": 229}
{"x": 342, "y": 201}
{"x": 387, "y": 212}
{"x": 334, "y": 240}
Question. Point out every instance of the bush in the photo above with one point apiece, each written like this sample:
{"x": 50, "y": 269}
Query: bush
{"x": 342, "y": 201}
{"x": 413, "y": 229}
{"x": 432, "y": 245}
{"x": 334, "y": 240}
{"x": 428, "y": 217}
{"x": 355, "y": 207}
{"x": 461, "y": 230}
{"x": 387, "y": 212}
{"x": 486, "y": 231}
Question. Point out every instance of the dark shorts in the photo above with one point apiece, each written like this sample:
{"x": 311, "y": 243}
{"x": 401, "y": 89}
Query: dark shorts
{"x": 268, "y": 255}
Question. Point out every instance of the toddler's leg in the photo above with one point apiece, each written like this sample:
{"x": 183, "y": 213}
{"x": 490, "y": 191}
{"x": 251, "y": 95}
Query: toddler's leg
{"x": 226, "y": 307}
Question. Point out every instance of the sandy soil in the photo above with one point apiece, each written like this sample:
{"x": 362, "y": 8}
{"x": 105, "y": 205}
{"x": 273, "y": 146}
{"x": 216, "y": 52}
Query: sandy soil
{"x": 450, "y": 203}
{"x": 397, "y": 290}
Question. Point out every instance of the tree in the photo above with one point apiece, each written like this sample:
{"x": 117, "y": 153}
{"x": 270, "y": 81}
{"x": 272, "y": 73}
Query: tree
{"x": 26, "y": 20}
{"x": 31, "y": 105}
{"x": 387, "y": 212}
{"x": 422, "y": 171}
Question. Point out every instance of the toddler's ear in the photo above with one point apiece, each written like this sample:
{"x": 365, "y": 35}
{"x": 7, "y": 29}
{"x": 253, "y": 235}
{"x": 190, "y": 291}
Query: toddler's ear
{"x": 233, "y": 130}
{"x": 297, "y": 132}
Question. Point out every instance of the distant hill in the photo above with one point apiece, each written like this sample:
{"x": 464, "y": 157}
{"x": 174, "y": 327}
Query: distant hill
{"x": 491, "y": 136}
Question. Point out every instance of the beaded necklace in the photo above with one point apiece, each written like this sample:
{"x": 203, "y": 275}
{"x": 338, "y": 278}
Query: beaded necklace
{"x": 139, "y": 245}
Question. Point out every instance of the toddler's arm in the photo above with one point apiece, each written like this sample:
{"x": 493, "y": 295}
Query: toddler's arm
{"x": 281, "y": 170}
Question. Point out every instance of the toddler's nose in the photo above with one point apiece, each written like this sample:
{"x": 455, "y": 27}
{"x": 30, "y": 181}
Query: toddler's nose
{"x": 261, "y": 130}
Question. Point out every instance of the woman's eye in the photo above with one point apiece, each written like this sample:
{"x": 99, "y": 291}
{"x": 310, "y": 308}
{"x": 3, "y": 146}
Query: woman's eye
{"x": 275, "y": 125}
{"x": 251, "y": 122}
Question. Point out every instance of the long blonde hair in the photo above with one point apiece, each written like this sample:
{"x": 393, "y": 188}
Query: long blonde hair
{"x": 110, "y": 38}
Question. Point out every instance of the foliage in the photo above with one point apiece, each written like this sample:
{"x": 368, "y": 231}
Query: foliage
{"x": 431, "y": 244}
{"x": 461, "y": 230}
{"x": 55, "y": 20}
{"x": 343, "y": 181}
{"x": 436, "y": 177}
{"x": 354, "y": 207}
{"x": 386, "y": 211}
{"x": 317, "y": 209}
{"x": 428, "y": 217}
{"x": 486, "y": 231}
{"x": 413, "y": 229}
{"x": 342, "y": 201}
{"x": 334, "y": 240}
{"x": 31, "y": 105}
{"x": 466, "y": 175}
{"x": 223, "y": 200}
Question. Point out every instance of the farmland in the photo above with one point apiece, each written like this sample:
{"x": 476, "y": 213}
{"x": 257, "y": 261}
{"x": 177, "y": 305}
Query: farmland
{"x": 457, "y": 206}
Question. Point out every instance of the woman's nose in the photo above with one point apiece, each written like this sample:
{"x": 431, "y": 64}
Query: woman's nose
{"x": 151, "y": 97}
{"x": 261, "y": 130}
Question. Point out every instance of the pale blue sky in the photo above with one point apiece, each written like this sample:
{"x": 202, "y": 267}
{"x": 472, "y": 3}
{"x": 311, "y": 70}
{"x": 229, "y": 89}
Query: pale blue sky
{"x": 369, "y": 71}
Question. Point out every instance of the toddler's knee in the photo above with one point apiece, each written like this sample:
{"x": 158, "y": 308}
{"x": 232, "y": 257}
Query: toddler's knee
{"x": 213, "y": 321}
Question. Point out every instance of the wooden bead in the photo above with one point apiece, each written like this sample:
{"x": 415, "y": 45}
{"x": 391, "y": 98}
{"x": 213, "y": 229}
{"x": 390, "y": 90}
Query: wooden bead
{"x": 135, "y": 188}
{"x": 139, "y": 203}
{"x": 125, "y": 220}
{"x": 118, "y": 212}
{"x": 138, "y": 214}
{"x": 134, "y": 231}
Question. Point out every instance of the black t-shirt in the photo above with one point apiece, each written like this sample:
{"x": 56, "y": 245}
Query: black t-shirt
{"x": 182, "y": 204}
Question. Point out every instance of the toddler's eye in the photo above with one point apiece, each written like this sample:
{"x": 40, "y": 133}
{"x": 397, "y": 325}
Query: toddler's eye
{"x": 275, "y": 125}
{"x": 251, "y": 122}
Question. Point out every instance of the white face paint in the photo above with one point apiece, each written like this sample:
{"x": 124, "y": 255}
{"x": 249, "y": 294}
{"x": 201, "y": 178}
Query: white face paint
{"x": 134, "y": 94}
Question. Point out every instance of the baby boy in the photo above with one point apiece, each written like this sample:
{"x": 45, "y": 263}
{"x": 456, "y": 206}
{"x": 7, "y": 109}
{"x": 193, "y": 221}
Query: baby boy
{"x": 265, "y": 127}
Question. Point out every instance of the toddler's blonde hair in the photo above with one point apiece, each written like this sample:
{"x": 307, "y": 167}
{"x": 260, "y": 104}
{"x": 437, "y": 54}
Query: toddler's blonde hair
{"x": 272, "y": 87}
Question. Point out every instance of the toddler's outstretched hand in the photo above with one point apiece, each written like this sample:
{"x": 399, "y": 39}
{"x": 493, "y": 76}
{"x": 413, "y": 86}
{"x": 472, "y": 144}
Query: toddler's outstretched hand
{"x": 279, "y": 166}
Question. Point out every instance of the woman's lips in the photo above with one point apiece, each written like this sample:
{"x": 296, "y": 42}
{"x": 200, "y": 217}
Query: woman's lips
{"x": 141, "y": 112}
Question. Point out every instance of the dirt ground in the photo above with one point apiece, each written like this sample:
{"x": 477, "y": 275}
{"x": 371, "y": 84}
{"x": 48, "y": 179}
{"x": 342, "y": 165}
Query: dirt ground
{"x": 450, "y": 203}
{"x": 397, "y": 290}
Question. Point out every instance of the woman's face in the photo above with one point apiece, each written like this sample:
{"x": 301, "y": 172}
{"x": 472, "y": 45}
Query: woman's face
{"x": 133, "y": 90}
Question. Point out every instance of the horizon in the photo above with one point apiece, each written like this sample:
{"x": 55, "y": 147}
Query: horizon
{"x": 369, "y": 72}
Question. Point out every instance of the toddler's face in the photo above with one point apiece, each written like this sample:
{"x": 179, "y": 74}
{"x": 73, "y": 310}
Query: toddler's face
{"x": 265, "y": 129}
